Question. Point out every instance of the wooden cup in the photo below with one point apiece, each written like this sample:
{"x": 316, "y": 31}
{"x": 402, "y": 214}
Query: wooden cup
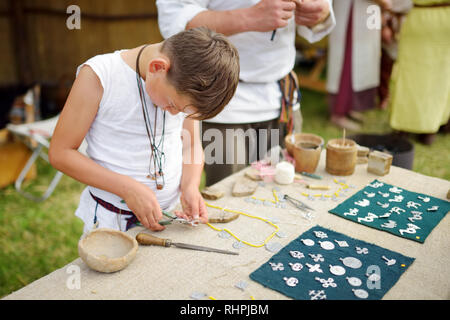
{"x": 306, "y": 151}
{"x": 341, "y": 157}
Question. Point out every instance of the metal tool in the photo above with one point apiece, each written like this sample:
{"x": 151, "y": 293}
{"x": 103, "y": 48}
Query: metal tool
{"x": 174, "y": 219}
{"x": 311, "y": 175}
{"x": 297, "y": 203}
{"x": 148, "y": 239}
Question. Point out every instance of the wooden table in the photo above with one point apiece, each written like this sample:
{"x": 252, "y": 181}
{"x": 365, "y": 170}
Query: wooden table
{"x": 172, "y": 273}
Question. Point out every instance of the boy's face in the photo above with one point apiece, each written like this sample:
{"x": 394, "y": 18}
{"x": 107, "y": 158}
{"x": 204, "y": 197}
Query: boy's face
{"x": 162, "y": 93}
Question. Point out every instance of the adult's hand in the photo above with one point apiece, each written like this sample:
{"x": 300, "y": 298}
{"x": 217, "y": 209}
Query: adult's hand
{"x": 311, "y": 12}
{"x": 269, "y": 15}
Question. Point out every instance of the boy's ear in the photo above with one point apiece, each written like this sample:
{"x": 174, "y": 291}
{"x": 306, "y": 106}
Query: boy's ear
{"x": 158, "y": 65}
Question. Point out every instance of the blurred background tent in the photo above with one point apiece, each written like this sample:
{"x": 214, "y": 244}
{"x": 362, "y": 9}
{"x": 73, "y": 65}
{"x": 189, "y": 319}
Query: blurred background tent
{"x": 38, "y": 47}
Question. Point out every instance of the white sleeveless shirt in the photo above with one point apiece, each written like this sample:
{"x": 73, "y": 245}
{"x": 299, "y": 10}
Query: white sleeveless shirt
{"x": 117, "y": 138}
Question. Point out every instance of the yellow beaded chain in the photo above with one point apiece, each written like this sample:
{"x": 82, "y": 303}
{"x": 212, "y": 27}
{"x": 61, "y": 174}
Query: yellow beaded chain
{"x": 336, "y": 194}
{"x": 247, "y": 215}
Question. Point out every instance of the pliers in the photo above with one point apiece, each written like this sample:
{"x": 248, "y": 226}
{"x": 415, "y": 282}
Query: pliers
{"x": 174, "y": 219}
{"x": 297, "y": 203}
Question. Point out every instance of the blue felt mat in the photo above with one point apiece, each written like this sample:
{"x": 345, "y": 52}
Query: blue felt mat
{"x": 382, "y": 206}
{"x": 324, "y": 264}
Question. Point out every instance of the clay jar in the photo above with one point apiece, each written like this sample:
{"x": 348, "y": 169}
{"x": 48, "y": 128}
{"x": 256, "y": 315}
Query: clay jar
{"x": 341, "y": 157}
{"x": 306, "y": 150}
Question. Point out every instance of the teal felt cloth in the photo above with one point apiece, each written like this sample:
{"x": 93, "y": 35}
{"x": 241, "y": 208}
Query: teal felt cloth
{"x": 392, "y": 209}
{"x": 371, "y": 280}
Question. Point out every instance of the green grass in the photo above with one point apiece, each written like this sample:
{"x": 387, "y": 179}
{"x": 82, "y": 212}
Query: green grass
{"x": 38, "y": 238}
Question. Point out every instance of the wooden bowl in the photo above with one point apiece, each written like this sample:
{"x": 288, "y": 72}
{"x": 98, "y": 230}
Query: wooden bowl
{"x": 301, "y": 137}
{"x": 107, "y": 250}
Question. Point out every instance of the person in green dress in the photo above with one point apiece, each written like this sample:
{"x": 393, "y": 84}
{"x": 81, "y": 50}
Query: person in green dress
{"x": 420, "y": 82}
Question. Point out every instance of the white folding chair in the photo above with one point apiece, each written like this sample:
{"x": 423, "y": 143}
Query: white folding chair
{"x": 40, "y": 132}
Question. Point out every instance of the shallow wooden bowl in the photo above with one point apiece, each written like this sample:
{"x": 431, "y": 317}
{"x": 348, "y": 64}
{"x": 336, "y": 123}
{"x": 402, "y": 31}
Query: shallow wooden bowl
{"x": 107, "y": 250}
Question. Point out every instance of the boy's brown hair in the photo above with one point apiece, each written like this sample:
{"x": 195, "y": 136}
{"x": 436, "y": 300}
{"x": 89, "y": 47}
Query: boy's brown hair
{"x": 204, "y": 66}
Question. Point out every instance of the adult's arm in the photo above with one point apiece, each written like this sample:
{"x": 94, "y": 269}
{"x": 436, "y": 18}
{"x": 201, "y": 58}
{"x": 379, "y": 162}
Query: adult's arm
{"x": 175, "y": 16}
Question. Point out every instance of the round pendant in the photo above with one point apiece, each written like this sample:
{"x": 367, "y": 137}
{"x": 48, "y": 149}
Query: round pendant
{"x": 327, "y": 245}
{"x": 337, "y": 270}
{"x": 360, "y": 293}
{"x": 238, "y": 245}
{"x": 353, "y": 281}
{"x": 296, "y": 266}
{"x": 296, "y": 254}
{"x": 291, "y": 282}
{"x": 224, "y": 235}
{"x": 307, "y": 242}
{"x": 374, "y": 277}
{"x": 281, "y": 234}
{"x": 351, "y": 262}
{"x": 273, "y": 247}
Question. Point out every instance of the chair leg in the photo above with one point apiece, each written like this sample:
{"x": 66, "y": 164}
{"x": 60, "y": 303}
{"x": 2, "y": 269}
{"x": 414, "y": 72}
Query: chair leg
{"x": 21, "y": 177}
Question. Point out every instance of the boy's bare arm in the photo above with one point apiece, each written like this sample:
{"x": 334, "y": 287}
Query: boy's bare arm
{"x": 191, "y": 199}
{"x": 266, "y": 15}
{"x": 73, "y": 124}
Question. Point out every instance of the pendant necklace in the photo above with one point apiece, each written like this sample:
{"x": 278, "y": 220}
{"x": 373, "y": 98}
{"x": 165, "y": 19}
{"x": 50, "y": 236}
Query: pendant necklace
{"x": 157, "y": 154}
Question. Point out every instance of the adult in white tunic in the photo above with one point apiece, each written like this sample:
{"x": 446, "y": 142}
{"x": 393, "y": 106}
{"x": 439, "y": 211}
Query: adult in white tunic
{"x": 264, "y": 60}
{"x": 354, "y": 53}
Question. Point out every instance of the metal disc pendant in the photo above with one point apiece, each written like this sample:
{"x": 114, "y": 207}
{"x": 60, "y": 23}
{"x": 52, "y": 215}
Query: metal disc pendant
{"x": 224, "y": 235}
{"x": 337, "y": 270}
{"x": 281, "y": 234}
{"x": 360, "y": 293}
{"x": 373, "y": 277}
{"x": 351, "y": 262}
{"x": 353, "y": 281}
{"x": 238, "y": 245}
{"x": 327, "y": 245}
{"x": 307, "y": 242}
{"x": 273, "y": 247}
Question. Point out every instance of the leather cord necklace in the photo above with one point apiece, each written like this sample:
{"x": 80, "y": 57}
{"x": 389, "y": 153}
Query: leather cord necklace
{"x": 157, "y": 150}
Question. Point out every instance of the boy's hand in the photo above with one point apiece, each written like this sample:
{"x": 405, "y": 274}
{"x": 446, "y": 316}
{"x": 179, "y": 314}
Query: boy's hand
{"x": 311, "y": 12}
{"x": 193, "y": 205}
{"x": 142, "y": 201}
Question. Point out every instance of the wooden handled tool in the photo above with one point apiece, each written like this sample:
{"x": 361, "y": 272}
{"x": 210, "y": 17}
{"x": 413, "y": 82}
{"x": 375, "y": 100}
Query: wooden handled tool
{"x": 148, "y": 239}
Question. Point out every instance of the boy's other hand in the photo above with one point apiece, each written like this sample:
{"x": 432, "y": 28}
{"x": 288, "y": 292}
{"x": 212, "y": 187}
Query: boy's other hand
{"x": 142, "y": 201}
{"x": 193, "y": 205}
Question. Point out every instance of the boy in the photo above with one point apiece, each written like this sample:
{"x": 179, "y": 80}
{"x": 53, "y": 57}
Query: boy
{"x": 138, "y": 110}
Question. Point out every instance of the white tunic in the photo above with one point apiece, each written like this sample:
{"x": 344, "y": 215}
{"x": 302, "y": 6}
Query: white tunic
{"x": 118, "y": 141}
{"x": 262, "y": 62}
{"x": 366, "y": 45}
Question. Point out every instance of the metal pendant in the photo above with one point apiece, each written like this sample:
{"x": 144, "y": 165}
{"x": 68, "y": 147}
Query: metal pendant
{"x": 296, "y": 254}
{"x": 353, "y": 281}
{"x": 291, "y": 282}
{"x": 296, "y": 266}
{"x": 327, "y": 245}
{"x": 351, "y": 262}
{"x": 337, "y": 270}
{"x": 360, "y": 293}
{"x": 307, "y": 242}
{"x": 273, "y": 247}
